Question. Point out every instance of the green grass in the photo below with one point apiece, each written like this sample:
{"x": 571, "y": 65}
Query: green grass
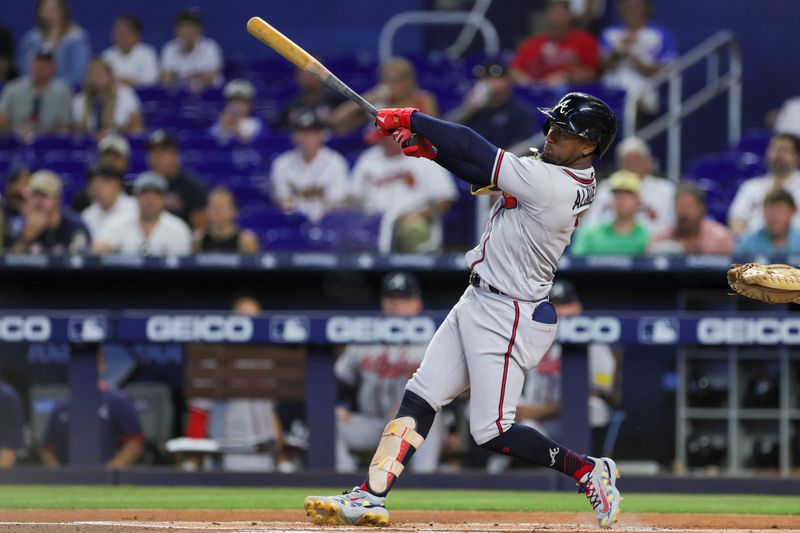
{"x": 123, "y": 497}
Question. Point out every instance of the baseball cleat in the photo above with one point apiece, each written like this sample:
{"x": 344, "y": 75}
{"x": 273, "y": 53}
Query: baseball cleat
{"x": 355, "y": 508}
{"x": 601, "y": 490}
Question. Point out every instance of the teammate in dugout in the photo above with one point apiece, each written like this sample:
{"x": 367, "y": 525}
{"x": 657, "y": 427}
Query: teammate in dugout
{"x": 371, "y": 380}
{"x": 503, "y": 324}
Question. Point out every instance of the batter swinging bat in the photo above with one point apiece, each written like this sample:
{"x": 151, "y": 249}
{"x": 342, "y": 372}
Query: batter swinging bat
{"x": 264, "y": 32}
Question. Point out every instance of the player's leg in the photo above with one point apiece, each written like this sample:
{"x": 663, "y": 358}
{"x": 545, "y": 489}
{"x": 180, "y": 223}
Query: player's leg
{"x": 506, "y": 339}
{"x": 440, "y": 378}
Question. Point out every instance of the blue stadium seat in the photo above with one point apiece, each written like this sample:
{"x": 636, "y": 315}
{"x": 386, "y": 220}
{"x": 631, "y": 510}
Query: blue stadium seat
{"x": 754, "y": 142}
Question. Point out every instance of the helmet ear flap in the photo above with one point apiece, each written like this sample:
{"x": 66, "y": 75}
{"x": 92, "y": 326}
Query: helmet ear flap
{"x": 546, "y": 127}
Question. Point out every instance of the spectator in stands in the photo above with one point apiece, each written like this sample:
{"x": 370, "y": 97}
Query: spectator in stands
{"x": 108, "y": 198}
{"x": 540, "y": 404}
{"x": 398, "y": 88}
{"x": 657, "y": 197}
{"x": 133, "y": 62}
{"x": 311, "y": 179}
{"x": 313, "y": 94}
{"x": 783, "y": 157}
{"x": 778, "y": 236}
{"x": 191, "y": 59}
{"x": 12, "y": 421}
{"x": 694, "y": 232}
{"x": 36, "y": 103}
{"x": 153, "y": 231}
{"x": 491, "y": 109}
{"x": 113, "y": 153}
{"x": 414, "y": 190}
{"x": 623, "y": 235}
{"x": 236, "y": 121}
{"x": 563, "y": 55}
{"x": 371, "y": 379}
{"x": 636, "y": 50}
{"x": 48, "y": 228}
{"x": 13, "y": 217}
{"x": 187, "y": 196}
{"x": 8, "y": 68}
{"x": 121, "y": 436}
{"x": 221, "y": 234}
{"x": 56, "y": 31}
{"x": 104, "y": 105}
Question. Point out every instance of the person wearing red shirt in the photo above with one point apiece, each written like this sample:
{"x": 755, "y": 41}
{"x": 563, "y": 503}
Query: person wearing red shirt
{"x": 562, "y": 55}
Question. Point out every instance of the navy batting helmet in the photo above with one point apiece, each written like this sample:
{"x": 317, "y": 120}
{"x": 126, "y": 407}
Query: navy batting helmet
{"x": 584, "y": 115}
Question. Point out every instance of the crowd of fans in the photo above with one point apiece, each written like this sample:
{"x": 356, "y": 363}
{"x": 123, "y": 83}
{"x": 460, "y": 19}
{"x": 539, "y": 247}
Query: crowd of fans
{"x": 169, "y": 210}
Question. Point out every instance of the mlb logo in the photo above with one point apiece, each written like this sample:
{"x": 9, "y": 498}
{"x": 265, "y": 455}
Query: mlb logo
{"x": 289, "y": 329}
{"x": 88, "y": 329}
{"x": 659, "y": 330}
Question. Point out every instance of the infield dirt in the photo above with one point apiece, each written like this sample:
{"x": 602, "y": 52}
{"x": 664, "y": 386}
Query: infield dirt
{"x": 124, "y": 521}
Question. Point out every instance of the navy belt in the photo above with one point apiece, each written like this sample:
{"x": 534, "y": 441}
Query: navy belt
{"x": 475, "y": 281}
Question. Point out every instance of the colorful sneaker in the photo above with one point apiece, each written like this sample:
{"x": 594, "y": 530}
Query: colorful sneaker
{"x": 355, "y": 508}
{"x": 600, "y": 486}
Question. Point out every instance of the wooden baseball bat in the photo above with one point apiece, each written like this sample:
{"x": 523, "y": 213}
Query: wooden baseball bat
{"x": 264, "y": 32}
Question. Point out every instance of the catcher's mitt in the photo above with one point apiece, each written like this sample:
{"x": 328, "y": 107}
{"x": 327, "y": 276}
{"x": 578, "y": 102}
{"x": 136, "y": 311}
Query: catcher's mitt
{"x": 768, "y": 283}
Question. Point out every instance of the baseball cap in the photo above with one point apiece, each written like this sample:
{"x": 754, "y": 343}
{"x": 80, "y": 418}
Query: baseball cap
{"x": 114, "y": 143}
{"x": 307, "y": 119}
{"x": 241, "y": 89}
{"x": 563, "y": 292}
{"x": 161, "y": 139}
{"x": 45, "y": 53}
{"x": 46, "y": 182}
{"x": 400, "y": 285}
{"x": 192, "y": 15}
{"x": 150, "y": 181}
{"x": 104, "y": 171}
{"x": 625, "y": 180}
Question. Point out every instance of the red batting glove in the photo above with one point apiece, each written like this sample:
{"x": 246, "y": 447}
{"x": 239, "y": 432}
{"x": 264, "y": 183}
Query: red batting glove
{"x": 388, "y": 120}
{"x": 414, "y": 145}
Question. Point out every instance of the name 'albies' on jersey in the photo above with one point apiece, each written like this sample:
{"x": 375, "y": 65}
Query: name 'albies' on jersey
{"x": 531, "y": 224}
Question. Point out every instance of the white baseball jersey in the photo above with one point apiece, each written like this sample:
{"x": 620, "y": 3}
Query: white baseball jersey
{"x": 531, "y": 225}
{"x": 656, "y": 212}
{"x": 381, "y": 372}
{"x": 400, "y": 183}
{"x": 748, "y": 204}
{"x": 315, "y": 186}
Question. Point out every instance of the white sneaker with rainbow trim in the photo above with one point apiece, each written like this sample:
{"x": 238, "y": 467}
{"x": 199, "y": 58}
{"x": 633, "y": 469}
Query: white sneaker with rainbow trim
{"x": 600, "y": 486}
{"x": 355, "y": 508}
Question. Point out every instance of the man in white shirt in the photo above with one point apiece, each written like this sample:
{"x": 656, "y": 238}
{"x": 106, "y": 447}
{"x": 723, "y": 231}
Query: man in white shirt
{"x": 746, "y": 213}
{"x": 236, "y": 121}
{"x": 311, "y": 179}
{"x": 656, "y": 196}
{"x": 108, "y": 199}
{"x": 154, "y": 231}
{"x": 191, "y": 59}
{"x": 417, "y": 190}
{"x": 133, "y": 62}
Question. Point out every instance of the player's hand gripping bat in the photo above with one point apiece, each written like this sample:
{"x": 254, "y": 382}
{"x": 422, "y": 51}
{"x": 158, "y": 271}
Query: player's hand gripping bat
{"x": 264, "y": 32}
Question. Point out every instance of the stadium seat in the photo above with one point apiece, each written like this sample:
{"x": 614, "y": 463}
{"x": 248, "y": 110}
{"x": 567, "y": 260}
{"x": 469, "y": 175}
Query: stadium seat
{"x": 754, "y": 142}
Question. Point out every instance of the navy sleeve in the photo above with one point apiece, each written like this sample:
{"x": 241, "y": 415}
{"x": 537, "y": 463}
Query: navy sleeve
{"x": 463, "y": 170}
{"x": 460, "y": 143}
{"x": 11, "y": 419}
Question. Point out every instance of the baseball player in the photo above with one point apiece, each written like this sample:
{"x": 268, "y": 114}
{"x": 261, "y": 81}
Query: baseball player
{"x": 503, "y": 324}
{"x": 372, "y": 379}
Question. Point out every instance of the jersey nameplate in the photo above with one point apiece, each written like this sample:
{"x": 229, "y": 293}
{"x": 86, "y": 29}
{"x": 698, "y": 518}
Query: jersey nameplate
{"x": 584, "y": 196}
